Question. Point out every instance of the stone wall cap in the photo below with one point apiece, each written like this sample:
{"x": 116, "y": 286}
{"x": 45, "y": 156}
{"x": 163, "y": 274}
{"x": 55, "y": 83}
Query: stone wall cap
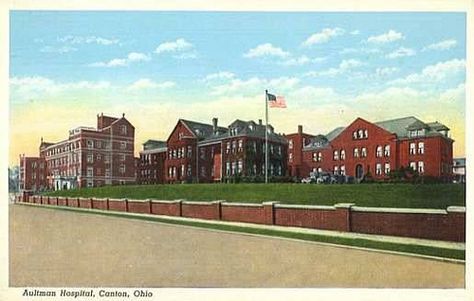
{"x": 137, "y": 201}
{"x": 241, "y": 204}
{"x": 270, "y": 203}
{"x": 399, "y": 210}
{"x": 456, "y": 209}
{"x": 298, "y": 206}
{"x": 166, "y": 201}
{"x": 344, "y": 205}
{"x": 196, "y": 203}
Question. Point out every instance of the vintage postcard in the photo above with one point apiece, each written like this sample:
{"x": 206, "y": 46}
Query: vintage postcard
{"x": 173, "y": 152}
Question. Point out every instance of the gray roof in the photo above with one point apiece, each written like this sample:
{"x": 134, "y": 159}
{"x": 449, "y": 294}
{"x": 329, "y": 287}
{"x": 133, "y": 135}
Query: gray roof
{"x": 401, "y": 126}
{"x": 153, "y": 144}
{"x": 316, "y": 142}
{"x": 248, "y": 129}
{"x": 202, "y": 130}
{"x": 334, "y": 133}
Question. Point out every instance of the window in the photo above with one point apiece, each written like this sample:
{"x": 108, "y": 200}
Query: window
{"x": 227, "y": 149}
{"x": 99, "y": 157}
{"x": 343, "y": 154}
{"x": 356, "y": 152}
{"x": 99, "y": 144}
{"x": 175, "y": 154}
{"x": 123, "y": 145}
{"x": 421, "y": 167}
{"x": 122, "y": 157}
{"x": 366, "y": 134}
{"x": 336, "y": 170}
{"x": 378, "y": 169}
{"x": 203, "y": 171}
{"x": 240, "y": 166}
{"x": 90, "y": 158}
{"x": 202, "y": 153}
{"x": 279, "y": 170}
{"x": 107, "y": 159}
{"x": 272, "y": 169}
{"x": 90, "y": 183}
{"x": 290, "y": 157}
{"x": 315, "y": 157}
{"x": 90, "y": 171}
{"x": 234, "y": 145}
{"x": 354, "y": 135}
{"x": 378, "y": 152}
{"x": 90, "y": 144}
{"x": 412, "y": 148}
{"x": 413, "y": 165}
{"x": 189, "y": 151}
{"x": 361, "y": 134}
{"x": 320, "y": 156}
{"x": 234, "y": 167}
{"x": 387, "y": 168}
{"x": 107, "y": 172}
{"x": 421, "y": 148}
{"x": 180, "y": 136}
{"x": 320, "y": 170}
{"x": 182, "y": 170}
{"x": 290, "y": 144}
{"x": 189, "y": 170}
{"x": 241, "y": 145}
{"x": 336, "y": 155}
{"x": 227, "y": 168}
{"x": 255, "y": 146}
{"x": 123, "y": 129}
{"x": 122, "y": 168}
{"x": 363, "y": 152}
{"x": 387, "y": 151}
{"x": 343, "y": 170}
{"x": 254, "y": 169}
{"x": 174, "y": 171}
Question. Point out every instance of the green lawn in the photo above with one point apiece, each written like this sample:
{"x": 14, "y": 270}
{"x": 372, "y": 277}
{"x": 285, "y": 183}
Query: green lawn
{"x": 369, "y": 195}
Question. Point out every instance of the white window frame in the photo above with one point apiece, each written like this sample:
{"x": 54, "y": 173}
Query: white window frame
{"x": 421, "y": 148}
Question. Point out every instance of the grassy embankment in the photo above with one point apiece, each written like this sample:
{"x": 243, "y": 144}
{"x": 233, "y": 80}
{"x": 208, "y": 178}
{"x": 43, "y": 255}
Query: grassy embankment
{"x": 369, "y": 195}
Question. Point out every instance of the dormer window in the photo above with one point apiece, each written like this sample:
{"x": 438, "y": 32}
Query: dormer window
{"x": 251, "y": 127}
{"x": 197, "y": 131}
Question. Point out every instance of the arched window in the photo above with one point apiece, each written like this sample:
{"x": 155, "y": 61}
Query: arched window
{"x": 336, "y": 155}
{"x": 387, "y": 151}
{"x": 343, "y": 154}
{"x": 363, "y": 152}
{"x": 361, "y": 134}
{"x": 366, "y": 134}
{"x": 356, "y": 152}
{"x": 378, "y": 153}
{"x": 354, "y": 135}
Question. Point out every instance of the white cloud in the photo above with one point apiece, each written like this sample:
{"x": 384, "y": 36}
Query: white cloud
{"x": 30, "y": 87}
{"x": 88, "y": 40}
{"x": 323, "y": 36}
{"x": 254, "y": 85}
{"x": 175, "y": 46}
{"x": 301, "y": 60}
{"x": 132, "y": 57}
{"x": 60, "y": 50}
{"x": 146, "y": 83}
{"x": 401, "y": 52}
{"x": 352, "y": 50}
{"x": 387, "y": 37}
{"x": 443, "y": 45}
{"x": 266, "y": 49}
{"x": 355, "y": 32}
{"x": 435, "y": 73}
{"x": 219, "y": 75}
{"x": 344, "y": 67}
{"x": 386, "y": 71}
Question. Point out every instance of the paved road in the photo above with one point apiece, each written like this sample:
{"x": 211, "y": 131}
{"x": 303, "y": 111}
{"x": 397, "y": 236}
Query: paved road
{"x": 59, "y": 248}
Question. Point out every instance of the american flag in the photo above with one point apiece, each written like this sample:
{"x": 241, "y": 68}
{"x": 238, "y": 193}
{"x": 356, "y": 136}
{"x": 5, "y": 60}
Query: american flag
{"x": 276, "y": 101}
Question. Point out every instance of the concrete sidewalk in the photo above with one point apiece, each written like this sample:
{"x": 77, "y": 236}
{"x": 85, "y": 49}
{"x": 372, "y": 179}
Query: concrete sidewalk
{"x": 328, "y": 233}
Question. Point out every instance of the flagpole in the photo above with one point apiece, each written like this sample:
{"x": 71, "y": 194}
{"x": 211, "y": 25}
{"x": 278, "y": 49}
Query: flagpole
{"x": 266, "y": 136}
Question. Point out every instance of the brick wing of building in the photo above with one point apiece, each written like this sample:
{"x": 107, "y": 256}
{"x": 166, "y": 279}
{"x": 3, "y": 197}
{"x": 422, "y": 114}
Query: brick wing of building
{"x": 89, "y": 157}
{"x": 199, "y": 152}
{"x": 377, "y": 148}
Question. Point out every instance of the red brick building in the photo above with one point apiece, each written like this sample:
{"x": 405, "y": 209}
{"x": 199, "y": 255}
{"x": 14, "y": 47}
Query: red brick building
{"x": 33, "y": 174}
{"x": 198, "y": 152}
{"x": 376, "y": 148}
{"x": 151, "y": 164}
{"x": 89, "y": 157}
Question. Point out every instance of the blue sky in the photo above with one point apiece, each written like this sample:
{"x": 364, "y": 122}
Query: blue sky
{"x": 331, "y": 67}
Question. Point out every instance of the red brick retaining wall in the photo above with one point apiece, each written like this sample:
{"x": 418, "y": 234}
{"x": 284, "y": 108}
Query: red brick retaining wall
{"x": 434, "y": 224}
{"x": 243, "y": 213}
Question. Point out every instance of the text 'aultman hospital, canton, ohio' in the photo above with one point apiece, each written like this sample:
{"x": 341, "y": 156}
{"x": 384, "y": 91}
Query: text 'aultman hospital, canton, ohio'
{"x": 198, "y": 152}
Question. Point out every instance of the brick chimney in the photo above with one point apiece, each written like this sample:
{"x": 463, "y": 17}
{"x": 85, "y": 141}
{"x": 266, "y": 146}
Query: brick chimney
{"x": 260, "y": 121}
{"x": 300, "y": 129}
{"x": 214, "y": 125}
